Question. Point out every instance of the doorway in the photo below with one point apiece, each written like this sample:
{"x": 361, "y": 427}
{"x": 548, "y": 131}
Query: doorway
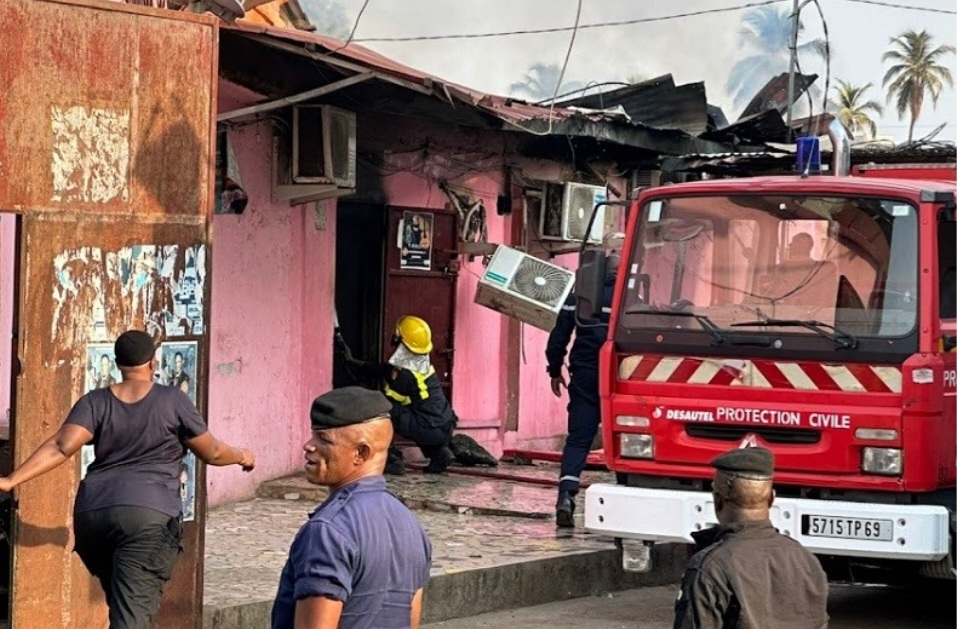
{"x": 9, "y": 370}
{"x": 360, "y": 234}
{"x": 380, "y": 277}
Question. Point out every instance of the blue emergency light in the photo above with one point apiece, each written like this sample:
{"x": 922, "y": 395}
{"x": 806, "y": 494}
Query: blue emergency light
{"x": 808, "y": 156}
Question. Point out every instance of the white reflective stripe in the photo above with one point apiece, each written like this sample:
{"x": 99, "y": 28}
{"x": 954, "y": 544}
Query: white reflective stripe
{"x": 844, "y": 378}
{"x": 705, "y": 372}
{"x": 575, "y": 478}
{"x": 891, "y": 376}
{"x": 796, "y": 376}
{"x": 628, "y": 366}
{"x": 568, "y": 308}
{"x": 607, "y": 310}
{"x": 756, "y": 378}
{"x": 664, "y": 369}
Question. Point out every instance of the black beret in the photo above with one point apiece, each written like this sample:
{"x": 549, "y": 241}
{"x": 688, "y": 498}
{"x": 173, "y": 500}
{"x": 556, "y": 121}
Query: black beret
{"x": 751, "y": 463}
{"x": 347, "y": 406}
{"x": 134, "y": 348}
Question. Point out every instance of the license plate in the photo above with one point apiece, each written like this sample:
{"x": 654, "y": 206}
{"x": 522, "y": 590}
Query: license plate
{"x": 847, "y": 528}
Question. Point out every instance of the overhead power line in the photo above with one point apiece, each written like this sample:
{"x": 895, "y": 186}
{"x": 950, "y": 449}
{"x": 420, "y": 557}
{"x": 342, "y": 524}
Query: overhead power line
{"x": 563, "y": 29}
{"x": 907, "y": 7}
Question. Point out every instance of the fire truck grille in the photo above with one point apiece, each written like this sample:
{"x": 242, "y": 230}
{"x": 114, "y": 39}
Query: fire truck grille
{"x": 770, "y": 435}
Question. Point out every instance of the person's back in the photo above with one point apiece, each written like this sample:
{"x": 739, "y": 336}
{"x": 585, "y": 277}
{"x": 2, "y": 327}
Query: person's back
{"x": 745, "y": 574}
{"x": 773, "y": 582}
{"x": 138, "y": 446}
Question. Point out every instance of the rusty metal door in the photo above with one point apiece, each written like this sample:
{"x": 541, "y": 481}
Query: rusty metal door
{"x": 423, "y": 283}
{"x": 106, "y": 137}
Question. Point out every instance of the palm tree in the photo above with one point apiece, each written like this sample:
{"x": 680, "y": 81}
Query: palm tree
{"x": 328, "y": 16}
{"x": 767, "y": 33}
{"x": 851, "y": 111}
{"x": 915, "y": 71}
{"x": 540, "y": 81}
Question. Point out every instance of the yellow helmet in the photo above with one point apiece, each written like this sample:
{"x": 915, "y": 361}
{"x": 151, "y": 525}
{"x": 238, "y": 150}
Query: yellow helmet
{"x": 414, "y": 333}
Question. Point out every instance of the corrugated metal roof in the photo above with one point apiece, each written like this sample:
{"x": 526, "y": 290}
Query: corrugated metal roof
{"x": 657, "y": 103}
{"x": 512, "y": 114}
{"x": 506, "y": 108}
{"x": 774, "y": 95}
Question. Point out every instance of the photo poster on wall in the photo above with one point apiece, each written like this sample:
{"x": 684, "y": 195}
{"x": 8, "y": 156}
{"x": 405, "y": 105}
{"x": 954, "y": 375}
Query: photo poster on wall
{"x": 177, "y": 366}
{"x": 415, "y": 241}
{"x": 188, "y": 486}
{"x": 100, "y": 371}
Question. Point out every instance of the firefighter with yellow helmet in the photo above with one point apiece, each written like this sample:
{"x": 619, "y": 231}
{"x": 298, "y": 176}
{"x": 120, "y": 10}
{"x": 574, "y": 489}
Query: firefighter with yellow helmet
{"x": 421, "y": 412}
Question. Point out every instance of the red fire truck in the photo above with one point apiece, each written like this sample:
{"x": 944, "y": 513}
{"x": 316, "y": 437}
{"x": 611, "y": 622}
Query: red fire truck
{"x": 811, "y": 315}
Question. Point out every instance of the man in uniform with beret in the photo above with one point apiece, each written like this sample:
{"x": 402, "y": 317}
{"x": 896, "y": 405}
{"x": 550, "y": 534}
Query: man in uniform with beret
{"x": 744, "y": 572}
{"x": 362, "y": 559}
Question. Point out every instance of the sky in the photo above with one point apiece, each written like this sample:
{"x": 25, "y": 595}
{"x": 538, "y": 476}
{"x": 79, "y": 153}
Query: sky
{"x": 692, "y": 49}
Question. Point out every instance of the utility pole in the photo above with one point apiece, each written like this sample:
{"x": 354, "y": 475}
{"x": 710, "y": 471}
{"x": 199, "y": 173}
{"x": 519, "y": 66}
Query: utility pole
{"x": 792, "y": 62}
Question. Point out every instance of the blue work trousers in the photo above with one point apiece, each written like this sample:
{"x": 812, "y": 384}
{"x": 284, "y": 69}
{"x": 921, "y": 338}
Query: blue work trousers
{"x": 584, "y": 417}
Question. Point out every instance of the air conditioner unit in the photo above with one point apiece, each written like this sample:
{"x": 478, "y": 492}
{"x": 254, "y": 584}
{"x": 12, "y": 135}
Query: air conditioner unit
{"x": 566, "y": 209}
{"x": 524, "y": 287}
{"x": 324, "y": 146}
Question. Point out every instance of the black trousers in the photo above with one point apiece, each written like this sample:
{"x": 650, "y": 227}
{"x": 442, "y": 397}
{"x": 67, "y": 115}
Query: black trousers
{"x": 430, "y": 439}
{"x": 132, "y": 551}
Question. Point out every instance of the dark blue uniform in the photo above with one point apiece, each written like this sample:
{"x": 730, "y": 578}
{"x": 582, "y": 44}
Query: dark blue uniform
{"x": 363, "y": 547}
{"x": 420, "y": 413}
{"x": 584, "y": 413}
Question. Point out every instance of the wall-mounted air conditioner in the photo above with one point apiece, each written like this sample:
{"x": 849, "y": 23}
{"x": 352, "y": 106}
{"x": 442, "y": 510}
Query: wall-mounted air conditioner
{"x": 324, "y": 145}
{"x": 524, "y": 287}
{"x": 566, "y": 209}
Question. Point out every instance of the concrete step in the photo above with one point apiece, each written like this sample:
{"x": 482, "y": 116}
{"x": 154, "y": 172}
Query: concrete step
{"x": 522, "y": 491}
{"x": 495, "y": 546}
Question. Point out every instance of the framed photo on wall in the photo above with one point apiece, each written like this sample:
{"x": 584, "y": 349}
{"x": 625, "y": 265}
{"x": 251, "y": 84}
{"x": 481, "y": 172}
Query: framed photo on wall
{"x": 415, "y": 241}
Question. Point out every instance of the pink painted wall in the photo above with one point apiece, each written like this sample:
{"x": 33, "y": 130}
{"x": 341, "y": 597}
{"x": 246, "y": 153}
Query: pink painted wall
{"x": 271, "y": 330}
{"x": 7, "y": 242}
{"x": 273, "y": 286}
{"x": 479, "y": 386}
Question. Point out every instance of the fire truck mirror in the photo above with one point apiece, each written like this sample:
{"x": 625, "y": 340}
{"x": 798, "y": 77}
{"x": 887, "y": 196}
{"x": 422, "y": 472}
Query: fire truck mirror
{"x": 590, "y": 283}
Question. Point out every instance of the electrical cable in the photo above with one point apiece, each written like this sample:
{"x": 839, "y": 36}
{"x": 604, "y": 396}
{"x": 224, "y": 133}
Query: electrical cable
{"x": 565, "y": 64}
{"x": 811, "y": 105}
{"x": 588, "y": 86}
{"x": 908, "y": 7}
{"x": 352, "y": 31}
{"x": 562, "y": 29}
{"x": 828, "y": 63}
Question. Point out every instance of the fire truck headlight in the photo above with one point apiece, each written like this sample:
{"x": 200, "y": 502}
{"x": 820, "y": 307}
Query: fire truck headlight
{"x": 634, "y": 446}
{"x": 632, "y": 420}
{"x": 885, "y": 461}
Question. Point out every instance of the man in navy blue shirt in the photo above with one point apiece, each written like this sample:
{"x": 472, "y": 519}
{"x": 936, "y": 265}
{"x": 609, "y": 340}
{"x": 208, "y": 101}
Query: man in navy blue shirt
{"x": 362, "y": 559}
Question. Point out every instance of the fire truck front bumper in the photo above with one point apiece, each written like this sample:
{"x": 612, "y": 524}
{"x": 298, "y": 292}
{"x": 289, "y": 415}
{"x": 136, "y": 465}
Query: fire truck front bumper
{"x": 825, "y": 527}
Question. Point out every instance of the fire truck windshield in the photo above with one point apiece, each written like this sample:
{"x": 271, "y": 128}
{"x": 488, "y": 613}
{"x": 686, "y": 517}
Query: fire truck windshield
{"x": 843, "y": 263}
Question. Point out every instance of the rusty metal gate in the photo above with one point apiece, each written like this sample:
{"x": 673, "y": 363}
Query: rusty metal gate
{"x": 106, "y": 137}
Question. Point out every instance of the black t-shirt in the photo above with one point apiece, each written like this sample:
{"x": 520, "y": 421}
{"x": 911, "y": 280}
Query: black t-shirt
{"x": 138, "y": 448}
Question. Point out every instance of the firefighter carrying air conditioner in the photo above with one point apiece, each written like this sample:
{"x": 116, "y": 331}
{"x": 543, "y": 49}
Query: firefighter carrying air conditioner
{"x": 420, "y": 412}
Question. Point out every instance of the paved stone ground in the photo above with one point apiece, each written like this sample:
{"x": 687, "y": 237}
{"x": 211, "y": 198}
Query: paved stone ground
{"x": 850, "y": 607}
{"x": 474, "y": 522}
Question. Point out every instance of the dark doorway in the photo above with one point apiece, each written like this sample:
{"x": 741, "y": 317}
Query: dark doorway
{"x": 360, "y": 238}
{"x": 423, "y": 285}
{"x": 9, "y": 370}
